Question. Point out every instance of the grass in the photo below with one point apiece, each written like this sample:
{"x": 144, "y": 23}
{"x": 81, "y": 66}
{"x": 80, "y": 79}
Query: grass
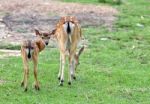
{"x": 112, "y": 71}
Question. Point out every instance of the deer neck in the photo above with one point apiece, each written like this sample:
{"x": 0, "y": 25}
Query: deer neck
{"x": 40, "y": 44}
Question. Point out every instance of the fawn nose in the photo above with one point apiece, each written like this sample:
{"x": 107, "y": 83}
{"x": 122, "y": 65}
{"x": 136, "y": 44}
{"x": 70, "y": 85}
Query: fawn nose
{"x": 46, "y": 43}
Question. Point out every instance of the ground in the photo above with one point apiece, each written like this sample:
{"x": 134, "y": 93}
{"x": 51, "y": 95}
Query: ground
{"x": 20, "y": 18}
{"x": 114, "y": 68}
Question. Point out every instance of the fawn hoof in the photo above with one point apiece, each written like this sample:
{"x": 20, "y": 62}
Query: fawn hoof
{"x": 69, "y": 83}
{"x": 73, "y": 76}
{"x": 59, "y": 78}
{"x": 22, "y": 84}
{"x": 26, "y": 89}
{"x": 37, "y": 87}
{"x": 61, "y": 84}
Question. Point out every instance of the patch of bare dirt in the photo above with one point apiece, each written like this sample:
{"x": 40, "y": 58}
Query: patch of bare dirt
{"x": 22, "y": 16}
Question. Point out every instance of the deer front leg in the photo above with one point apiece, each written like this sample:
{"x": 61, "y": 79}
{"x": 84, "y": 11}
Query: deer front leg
{"x": 63, "y": 57}
{"x": 76, "y": 57}
{"x": 36, "y": 84}
{"x": 76, "y": 61}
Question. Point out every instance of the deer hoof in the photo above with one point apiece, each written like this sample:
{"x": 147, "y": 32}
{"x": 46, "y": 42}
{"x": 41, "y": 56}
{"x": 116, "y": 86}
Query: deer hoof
{"x": 61, "y": 84}
{"x": 37, "y": 87}
{"x": 69, "y": 83}
{"x": 26, "y": 89}
{"x": 22, "y": 84}
{"x": 73, "y": 76}
{"x": 59, "y": 78}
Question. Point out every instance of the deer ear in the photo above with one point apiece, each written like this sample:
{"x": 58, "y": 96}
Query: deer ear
{"x": 37, "y": 32}
{"x": 53, "y": 32}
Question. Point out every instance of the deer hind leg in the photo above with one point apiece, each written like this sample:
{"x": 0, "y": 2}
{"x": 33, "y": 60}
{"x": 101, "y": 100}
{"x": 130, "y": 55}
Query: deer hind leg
{"x": 22, "y": 82}
{"x": 26, "y": 74}
{"x": 26, "y": 78}
{"x": 36, "y": 85}
{"x": 63, "y": 58}
{"x": 71, "y": 72}
{"x": 76, "y": 61}
{"x": 60, "y": 68}
{"x": 73, "y": 69}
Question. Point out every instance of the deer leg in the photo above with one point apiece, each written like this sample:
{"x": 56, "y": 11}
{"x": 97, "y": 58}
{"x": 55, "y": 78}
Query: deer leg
{"x": 26, "y": 74}
{"x": 62, "y": 68}
{"x": 35, "y": 60}
{"x": 76, "y": 61}
{"x": 22, "y": 82}
{"x": 26, "y": 78}
{"x": 71, "y": 68}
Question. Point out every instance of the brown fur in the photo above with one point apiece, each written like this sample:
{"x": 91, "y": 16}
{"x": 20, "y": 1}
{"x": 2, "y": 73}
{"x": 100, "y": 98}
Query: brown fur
{"x": 35, "y": 46}
{"x": 68, "y": 44}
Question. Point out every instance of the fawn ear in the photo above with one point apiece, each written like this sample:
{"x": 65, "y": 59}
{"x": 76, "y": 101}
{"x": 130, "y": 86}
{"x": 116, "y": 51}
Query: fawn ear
{"x": 53, "y": 32}
{"x": 37, "y": 32}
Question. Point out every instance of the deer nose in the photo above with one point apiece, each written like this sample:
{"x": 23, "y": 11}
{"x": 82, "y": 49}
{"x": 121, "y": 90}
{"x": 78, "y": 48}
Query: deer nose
{"x": 46, "y": 43}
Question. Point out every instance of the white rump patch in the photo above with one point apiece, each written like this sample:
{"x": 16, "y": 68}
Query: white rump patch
{"x": 71, "y": 27}
{"x": 27, "y": 51}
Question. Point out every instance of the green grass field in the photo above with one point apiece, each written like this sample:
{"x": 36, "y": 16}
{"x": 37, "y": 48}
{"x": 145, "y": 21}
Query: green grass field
{"x": 112, "y": 71}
